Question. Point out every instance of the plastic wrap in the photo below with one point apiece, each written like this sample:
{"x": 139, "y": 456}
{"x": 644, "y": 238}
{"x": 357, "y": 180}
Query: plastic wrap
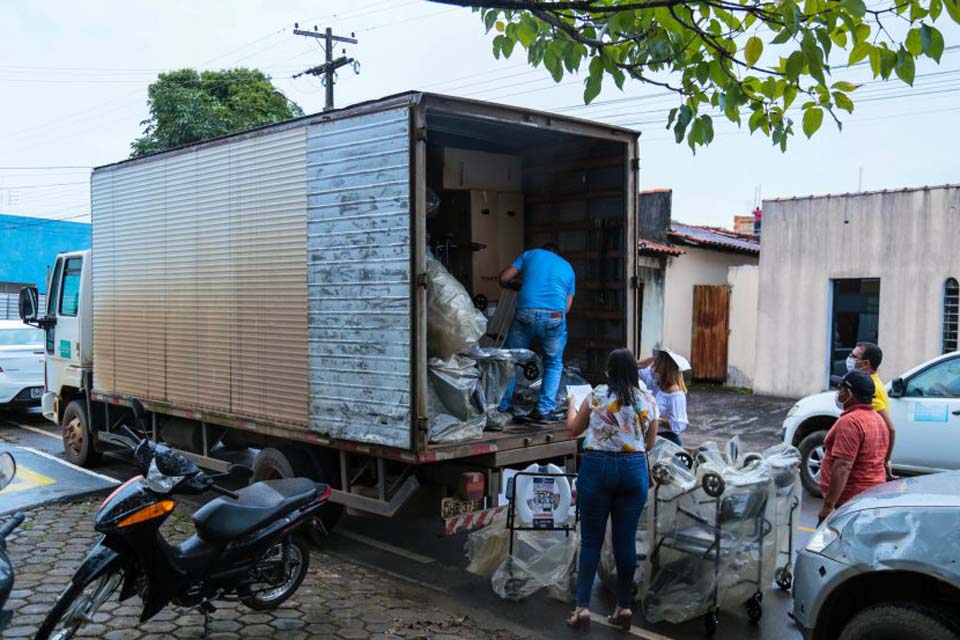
{"x": 784, "y": 460}
{"x": 496, "y": 368}
{"x": 728, "y": 504}
{"x": 454, "y": 324}
{"x": 541, "y": 559}
{"x": 455, "y": 406}
{"x": 487, "y": 548}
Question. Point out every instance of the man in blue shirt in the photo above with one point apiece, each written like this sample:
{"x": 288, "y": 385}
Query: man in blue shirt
{"x": 547, "y": 284}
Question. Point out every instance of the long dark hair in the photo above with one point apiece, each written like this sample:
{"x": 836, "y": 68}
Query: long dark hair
{"x": 622, "y": 375}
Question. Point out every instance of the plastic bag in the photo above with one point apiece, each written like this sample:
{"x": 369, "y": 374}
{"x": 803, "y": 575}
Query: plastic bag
{"x": 454, "y": 324}
{"x": 487, "y": 548}
{"x": 541, "y": 559}
{"x": 454, "y": 400}
{"x": 784, "y": 460}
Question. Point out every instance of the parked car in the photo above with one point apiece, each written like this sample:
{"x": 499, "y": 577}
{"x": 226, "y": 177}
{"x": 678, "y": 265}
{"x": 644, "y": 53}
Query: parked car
{"x": 884, "y": 565}
{"x": 924, "y": 405}
{"x": 21, "y": 364}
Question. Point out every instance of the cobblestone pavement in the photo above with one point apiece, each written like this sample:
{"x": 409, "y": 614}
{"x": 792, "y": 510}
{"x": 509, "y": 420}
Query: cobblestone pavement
{"x": 719, "y": 415}
{"x": 336, "y": 600}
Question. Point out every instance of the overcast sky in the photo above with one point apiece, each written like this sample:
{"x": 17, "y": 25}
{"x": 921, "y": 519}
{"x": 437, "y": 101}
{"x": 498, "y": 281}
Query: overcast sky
{"x": 73, "y": 80}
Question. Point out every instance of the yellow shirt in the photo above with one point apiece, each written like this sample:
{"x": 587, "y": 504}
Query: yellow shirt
{"x": 880, "y": 399}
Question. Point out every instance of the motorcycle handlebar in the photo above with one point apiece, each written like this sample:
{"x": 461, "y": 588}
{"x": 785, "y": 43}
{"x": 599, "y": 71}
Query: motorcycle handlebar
{"x": 11, "y": 524}
{"x": 224, "y": 492}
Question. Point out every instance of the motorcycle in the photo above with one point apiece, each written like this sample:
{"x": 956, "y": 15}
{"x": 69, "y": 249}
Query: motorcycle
{"x": 8, "y": 469}
{"x": 245, "y": 547}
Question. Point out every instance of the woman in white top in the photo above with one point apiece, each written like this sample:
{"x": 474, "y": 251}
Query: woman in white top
{"x": 663, "y": 375}
{"x": 620, "y": 422}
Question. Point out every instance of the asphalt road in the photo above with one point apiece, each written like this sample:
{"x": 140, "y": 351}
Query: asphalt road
{"x": 413, "y": 550}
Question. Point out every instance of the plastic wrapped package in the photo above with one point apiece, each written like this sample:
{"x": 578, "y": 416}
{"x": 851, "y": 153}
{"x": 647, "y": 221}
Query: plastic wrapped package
{"x": 487, "y": 548}
{"x": 454, "y": 324}
{"x": 454, "y": 400}
{"x": 608, "y": 563}
{"x": 540, "y": 559}
{"x": 496, "y": 368}
{"x": 784, "y": 460}
{"x": 727, "y": 505}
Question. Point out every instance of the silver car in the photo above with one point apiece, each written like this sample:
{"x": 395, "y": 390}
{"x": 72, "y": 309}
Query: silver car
{"x": 884, "y": 566}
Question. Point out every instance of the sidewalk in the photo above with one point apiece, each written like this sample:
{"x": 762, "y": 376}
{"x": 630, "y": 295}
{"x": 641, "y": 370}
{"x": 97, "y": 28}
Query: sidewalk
{"x": 337, "y": 599}
{"x": 720, "y": 414}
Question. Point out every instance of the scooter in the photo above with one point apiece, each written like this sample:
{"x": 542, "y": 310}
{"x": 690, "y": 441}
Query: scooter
{"x": 8, "y": 469}
{"x": 245, "y": 547}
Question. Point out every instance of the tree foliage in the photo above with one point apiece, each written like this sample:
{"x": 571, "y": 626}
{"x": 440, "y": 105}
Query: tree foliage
{"x": 749, "y": 60}
{"x": 186, "y": 107}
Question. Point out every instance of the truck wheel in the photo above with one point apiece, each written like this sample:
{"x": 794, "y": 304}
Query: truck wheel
{"x": 292, "y": 462}
{"x": 811, "y": 454}
{"x": 79, "y": 447}
{"x": 894, "y": 621}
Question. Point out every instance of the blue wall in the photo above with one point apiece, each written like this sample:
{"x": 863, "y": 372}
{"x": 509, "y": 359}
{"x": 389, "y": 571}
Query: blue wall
{"x": 29, "y": 245}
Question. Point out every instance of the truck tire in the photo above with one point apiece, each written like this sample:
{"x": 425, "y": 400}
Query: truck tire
{"x": 899, "y": 621}
{"x": 79, "y": 444}
{"x": 293, "y": 462}
{"x": 811, "y": 456}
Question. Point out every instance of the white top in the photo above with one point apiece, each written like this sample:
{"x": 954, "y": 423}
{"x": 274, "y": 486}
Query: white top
{"x": 673, "y": 405}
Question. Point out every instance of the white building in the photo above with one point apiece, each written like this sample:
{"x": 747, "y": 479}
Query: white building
{"x": 836, "y": 270}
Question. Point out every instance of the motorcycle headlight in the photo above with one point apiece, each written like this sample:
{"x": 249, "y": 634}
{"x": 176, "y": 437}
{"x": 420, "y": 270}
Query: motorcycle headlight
{"x": 159, "y": 483}
{"x": 822, "y": 538}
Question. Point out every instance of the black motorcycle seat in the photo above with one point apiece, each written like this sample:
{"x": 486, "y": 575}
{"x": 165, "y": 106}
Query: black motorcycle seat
{"x": 225, "y": 519}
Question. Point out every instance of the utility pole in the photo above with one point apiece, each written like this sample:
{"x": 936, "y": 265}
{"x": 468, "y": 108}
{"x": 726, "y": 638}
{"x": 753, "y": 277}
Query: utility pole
{"x": 327, "y": 68}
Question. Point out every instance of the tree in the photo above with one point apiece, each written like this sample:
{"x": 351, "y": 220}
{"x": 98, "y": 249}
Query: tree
{"x": 186, "y": 107}
{"x": 748, "y": 59}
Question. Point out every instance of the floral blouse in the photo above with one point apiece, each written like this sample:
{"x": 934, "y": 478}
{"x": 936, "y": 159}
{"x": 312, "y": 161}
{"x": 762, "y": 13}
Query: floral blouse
{"x": 617, "y": 427}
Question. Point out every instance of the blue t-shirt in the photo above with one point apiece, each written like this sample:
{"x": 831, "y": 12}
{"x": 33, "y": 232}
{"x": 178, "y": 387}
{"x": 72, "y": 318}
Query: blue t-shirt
{"x": 547, "y": 280}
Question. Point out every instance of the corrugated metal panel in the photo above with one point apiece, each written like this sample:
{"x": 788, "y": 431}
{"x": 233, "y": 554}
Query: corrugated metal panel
{"x": 359, "y": 277}
{"x": 199, "y": 266}
{"x": 10, "y": 305}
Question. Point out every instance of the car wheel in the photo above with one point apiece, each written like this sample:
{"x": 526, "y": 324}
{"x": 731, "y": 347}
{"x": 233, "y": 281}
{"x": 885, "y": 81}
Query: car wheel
{"x": 895, "y": 621}
{"x": 811, "y": 452}
{"x": 79, "y": 447}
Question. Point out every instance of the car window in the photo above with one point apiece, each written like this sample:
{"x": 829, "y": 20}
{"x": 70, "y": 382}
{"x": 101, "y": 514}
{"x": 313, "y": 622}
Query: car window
{"x": 942, "y": 380}
{"x": 70, "y": 300}
{"x": 16, "y": 337}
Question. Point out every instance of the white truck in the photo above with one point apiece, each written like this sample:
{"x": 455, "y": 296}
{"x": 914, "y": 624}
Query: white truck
{"x": 267, "y": 289}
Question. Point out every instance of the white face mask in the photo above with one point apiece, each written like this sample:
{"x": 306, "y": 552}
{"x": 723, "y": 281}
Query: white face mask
{"x": 851, "y": 363}
{"x": 838, "y": 401}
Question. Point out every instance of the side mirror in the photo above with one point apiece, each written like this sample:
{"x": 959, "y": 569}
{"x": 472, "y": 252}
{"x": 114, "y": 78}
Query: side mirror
{"x": 29, "y": 304}
{"x": 8, "y": 469}
{"x": 239, "y": 471}
{"x": 897, "y": 387}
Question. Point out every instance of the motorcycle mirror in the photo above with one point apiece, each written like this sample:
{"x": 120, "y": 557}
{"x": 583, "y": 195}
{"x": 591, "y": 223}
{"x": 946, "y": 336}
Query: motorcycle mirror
{"x": 240, "y": 471}
{"x": 8, "y": 469}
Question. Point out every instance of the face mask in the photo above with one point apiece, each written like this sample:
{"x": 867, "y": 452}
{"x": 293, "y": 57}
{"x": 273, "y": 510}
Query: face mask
{"x": 851, "y": 363}
{"x": 839, "y": 400}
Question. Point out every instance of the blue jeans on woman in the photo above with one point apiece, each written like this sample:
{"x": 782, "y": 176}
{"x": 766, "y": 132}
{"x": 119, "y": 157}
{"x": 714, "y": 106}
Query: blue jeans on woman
{"x": 614, "y": 485}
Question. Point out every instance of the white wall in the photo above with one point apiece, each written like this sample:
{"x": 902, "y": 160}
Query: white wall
{"x": 908, "y": 239}
{"x": 744, "y": 281}
{"x": 696, "y": 266}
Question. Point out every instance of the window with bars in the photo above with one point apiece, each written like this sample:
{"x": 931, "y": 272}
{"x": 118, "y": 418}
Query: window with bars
{"x": 951, "y": 314}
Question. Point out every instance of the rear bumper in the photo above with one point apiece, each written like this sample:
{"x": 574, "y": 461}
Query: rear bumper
{"x": 19, "y": 393}
{"x": 48, "y": 404}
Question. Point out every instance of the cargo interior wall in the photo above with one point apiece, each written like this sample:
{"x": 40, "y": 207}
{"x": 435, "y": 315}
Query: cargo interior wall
{"x": 199, "y": 265}
{"x": 504, "y": 188}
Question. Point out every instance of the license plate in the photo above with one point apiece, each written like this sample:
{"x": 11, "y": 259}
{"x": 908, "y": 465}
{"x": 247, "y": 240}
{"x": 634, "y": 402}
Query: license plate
{"x": 450, "y": 507}
{"x": 36, "y": 392}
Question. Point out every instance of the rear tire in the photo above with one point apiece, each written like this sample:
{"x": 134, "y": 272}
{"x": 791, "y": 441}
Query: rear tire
{"x": 811, "y": 456}
{"x": 291, "y": 462}
{"x": 898, "y": 621}
{"x": 269, "y": 599}
{"x": 77, "y": 604}
{"x": 79, "y": 446}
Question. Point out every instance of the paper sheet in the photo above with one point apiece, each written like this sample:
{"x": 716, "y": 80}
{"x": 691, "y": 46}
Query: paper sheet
{"x": 578, "y": 392}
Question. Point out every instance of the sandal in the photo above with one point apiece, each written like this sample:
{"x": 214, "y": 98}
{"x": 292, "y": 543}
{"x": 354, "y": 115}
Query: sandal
{"x": 622, "y": 618}
{"x": 580, "y": 620}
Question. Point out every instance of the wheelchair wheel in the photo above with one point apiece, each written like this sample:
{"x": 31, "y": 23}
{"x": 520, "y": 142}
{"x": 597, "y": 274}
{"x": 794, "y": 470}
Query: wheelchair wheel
{"x": 711, "y": 620}
{"x": 713, "y": 485}
{"x": 660, "y": 473}
{"x": 754, "y": 607}
{"x": 784, "y": 579}
{"x": 685, "y": 458}
{"x": 751, "y": 458}
{"x": 531, "y": 371}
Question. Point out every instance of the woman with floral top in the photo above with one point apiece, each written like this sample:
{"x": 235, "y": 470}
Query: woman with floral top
{"x": 620, "y": 422}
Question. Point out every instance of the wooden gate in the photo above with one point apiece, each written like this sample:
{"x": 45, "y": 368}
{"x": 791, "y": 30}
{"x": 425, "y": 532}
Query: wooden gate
{"x": 711, "y": 328}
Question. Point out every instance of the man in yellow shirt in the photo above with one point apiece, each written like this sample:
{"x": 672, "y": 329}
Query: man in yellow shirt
{"x": 867, "y": 357}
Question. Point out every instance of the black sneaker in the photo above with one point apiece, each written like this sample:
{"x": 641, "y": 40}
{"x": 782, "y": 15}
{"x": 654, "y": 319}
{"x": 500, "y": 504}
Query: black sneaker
{"x": 553, "y": 416}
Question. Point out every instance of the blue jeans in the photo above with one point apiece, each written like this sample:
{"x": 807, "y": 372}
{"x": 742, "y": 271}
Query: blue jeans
{"x": 614, "y": 485}
{"x": 528, "y": 324}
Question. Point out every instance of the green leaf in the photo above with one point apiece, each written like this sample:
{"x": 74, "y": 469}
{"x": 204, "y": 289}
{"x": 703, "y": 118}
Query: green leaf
{"x": 672, "y": 117}
{"x": 888, "y": 61}
{"x": 843, "y": 101}
{"x": 753, "y": 50}
{"x": 507, "y": 47}
{"x": 592, "y": 89}
{"x": 905, "y": 67}
{"x": 707, "y": 128}
{"x": 490, "y": 19}
{"x": 840, "y": 39}
{"x": 860, "y": 52}
{"x": 876, "y": 57}
{"x": 756, "y": 120}
{"x": 572, "y": 57}
{"x": 527, "y": 31}
{"x": 856, "y": 8}
{"x": 789, "y": 95}
{"x": 782, "y": 37}
{"x": 936, "y": 6}
{"x": 794, "y": 66}
{"x": 953, "y": 8}
{"x": 683, "y": 119}
{"x": 861, "y": 33}
{"x": 932, "y": 41}
{"x": 553, "y": 63}
{"x": 843, "y": 85}
{"x": 913, "y": 42}
{"x": 812, "y": 119}
{"x": 618, "y": 77}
